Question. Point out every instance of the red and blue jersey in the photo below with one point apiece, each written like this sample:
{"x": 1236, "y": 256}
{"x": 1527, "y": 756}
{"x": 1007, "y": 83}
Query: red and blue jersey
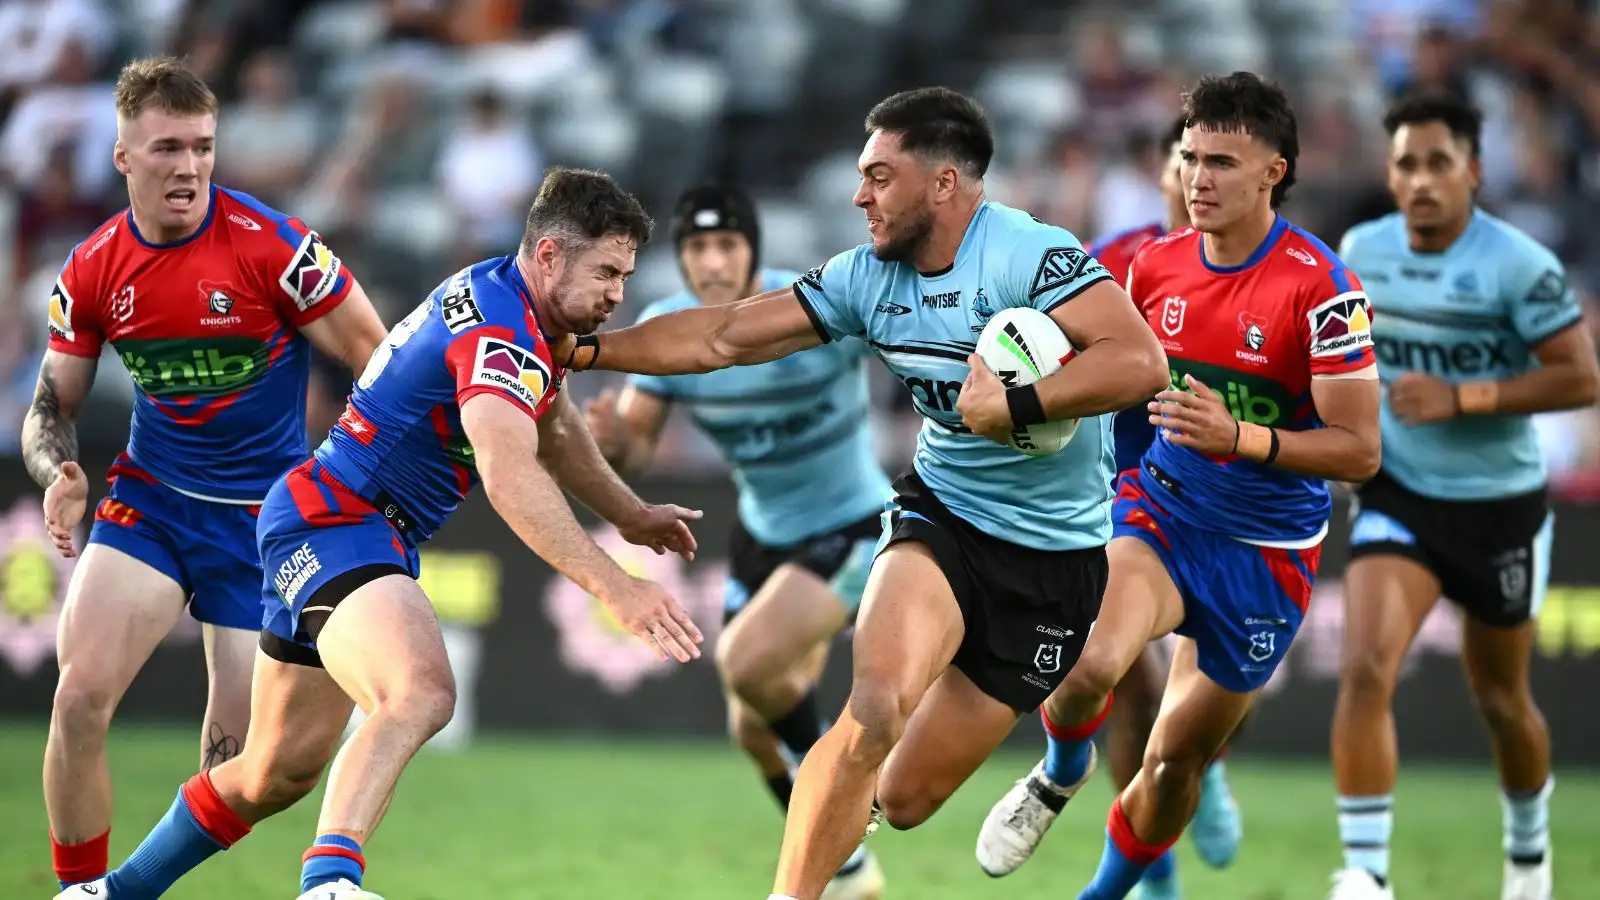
{"x": 1257, "y": 334}
{"x": 400, "y": 440}
{"x": 1130, "y": 428}
{"x": 207, "y": 328}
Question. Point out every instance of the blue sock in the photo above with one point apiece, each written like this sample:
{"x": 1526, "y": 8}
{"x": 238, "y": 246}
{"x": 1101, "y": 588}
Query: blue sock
{"x": 1163, "y": 869}
{"x": 1124, "y": 860}
{"x": 332, "y": 857}
{"x": 1068, "y": 749}
{"x": 173, "y": 848}
{"x": 1365, "y": 824}
{"x": 1526, "y": 817}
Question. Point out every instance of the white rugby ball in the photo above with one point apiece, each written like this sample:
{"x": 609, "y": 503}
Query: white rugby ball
{"x": 1021, "y": 345}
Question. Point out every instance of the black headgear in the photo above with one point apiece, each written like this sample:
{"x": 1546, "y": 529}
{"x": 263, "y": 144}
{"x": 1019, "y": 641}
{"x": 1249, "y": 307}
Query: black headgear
{"x": 714, "y": 207}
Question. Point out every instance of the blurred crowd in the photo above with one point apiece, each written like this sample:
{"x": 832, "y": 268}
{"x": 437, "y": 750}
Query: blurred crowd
{"x": 413, "y": 133}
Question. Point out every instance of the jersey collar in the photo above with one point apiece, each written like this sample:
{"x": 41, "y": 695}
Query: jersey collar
{"x": 1279, "y": 226}
{"x": 211, "y": 212}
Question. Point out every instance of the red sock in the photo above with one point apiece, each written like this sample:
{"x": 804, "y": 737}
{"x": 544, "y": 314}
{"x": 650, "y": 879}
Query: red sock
{"x": 78, "y": 863}
{"x": 1083, "y": 730}
{"x": 214, "y": 816}
{"x": 1134, "y": 850}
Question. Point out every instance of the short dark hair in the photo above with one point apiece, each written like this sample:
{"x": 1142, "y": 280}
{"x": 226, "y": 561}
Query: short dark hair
{"x": 577, "y": 207}
{"x": 1454, "y": 111}
{"x": 938, "y": 123}
{"x": 1245, "y": 102}
{"x": 164, "y": 83}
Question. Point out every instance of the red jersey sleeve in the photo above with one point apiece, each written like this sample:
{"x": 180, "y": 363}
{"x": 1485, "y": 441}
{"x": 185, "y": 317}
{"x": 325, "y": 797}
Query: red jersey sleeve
{"x": 1337, "y": 324}
{"x": 490, "y": 360}
{"x": 305, "y": 277}
{"x": 74, "y": 317}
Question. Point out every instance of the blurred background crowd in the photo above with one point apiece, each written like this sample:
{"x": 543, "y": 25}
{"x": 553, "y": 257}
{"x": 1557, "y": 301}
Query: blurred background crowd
{"x": 413, "y": 133}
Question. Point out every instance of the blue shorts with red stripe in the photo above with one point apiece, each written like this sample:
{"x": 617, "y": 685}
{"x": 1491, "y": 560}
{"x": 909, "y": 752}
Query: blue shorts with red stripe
{"x": 313, "y": 529}
{"x": 1242, "y": 603}
{"x": 208, "y": 548}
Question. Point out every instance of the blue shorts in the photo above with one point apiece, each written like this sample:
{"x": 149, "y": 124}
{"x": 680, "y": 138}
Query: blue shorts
{"x": 208, "y": 548}
{"x": 315, "y": 533}
{"x": 1242, "y": 603}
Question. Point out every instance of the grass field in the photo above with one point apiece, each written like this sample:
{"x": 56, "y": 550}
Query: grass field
{"x": 559, "y": 819}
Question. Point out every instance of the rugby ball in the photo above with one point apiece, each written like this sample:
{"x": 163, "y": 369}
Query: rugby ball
{"x": 1021, "y": 345}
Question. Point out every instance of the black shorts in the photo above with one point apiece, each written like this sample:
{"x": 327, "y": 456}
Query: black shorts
{"x": 1492, "y": 557}
{"x": 1027, "y": 612}
{"x": 842, "y": 558}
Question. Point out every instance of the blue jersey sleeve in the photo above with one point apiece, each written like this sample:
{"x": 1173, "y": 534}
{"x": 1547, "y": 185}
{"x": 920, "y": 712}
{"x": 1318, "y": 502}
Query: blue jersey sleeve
{"x": 830, "y": 294}
{"x": 1047, "y": 268}
{"x": 1537, "y": 295}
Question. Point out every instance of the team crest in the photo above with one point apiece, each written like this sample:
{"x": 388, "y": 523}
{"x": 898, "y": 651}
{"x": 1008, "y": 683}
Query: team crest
{"x": 1172, "y": 310}
{"x": 1047, "y": 659}
{"x": 981, "y": 309}
{"x": 313, "y": 273}
{"x": 1263, "y": 644}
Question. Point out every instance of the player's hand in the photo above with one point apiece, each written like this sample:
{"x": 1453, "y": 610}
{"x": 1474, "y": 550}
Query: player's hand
{"x": 1418, "y": 399}
{"x": 982, "y": 402}
{"x": 1195, "y": 418}
{"x": 651, "y": 614}
{"x": 64, "y": 503}
{"x": 664, "y": 529}
{"x": 608, "y": 430}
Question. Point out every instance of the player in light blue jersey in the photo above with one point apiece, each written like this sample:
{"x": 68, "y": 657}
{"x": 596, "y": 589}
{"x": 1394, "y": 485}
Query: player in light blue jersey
{"x": 797, "y": 435}
{"x": 992, "y": 564}
{"x": 1476, "y": 329}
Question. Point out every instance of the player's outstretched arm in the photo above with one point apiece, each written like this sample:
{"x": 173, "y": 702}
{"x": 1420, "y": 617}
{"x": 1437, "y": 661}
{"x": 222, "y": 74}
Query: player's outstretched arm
{"x": 626, "y": 427}
{"x": 349, "y": 332}
{"x": 703, "y": 339}
{"x": 50, "y": 442}
{"x": 569, "y": 452}
{"x": 529, "y": 501}
{"x": 1119, "y": 361}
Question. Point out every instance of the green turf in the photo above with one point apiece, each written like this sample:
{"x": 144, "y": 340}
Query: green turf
{"x": 599, "y": 819}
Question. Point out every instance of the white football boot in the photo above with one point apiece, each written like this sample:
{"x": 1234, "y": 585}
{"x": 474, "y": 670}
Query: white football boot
{"x": 1014, "y": 827}
{"x": 339, "y": 890}
{"x": 1358, "y": 884}
{"x": 92, "y": 889}
{"x": 1528, "y": 882}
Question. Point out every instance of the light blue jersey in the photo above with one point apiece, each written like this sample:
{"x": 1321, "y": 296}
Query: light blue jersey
{"x": 924, "y": 327}
{"x": 795, "y": 431}
{"x": 1472, "y": 312}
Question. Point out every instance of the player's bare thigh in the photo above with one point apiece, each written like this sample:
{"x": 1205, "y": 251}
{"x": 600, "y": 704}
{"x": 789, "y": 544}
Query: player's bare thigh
{"x": 382, "y": 644}
{"x": 117, "y": 610}
{"x": 230, "y": 661}
{"x": 1386, "y": 599}
{"x": 954, "y": 729}
{"x": 793, "y": 614}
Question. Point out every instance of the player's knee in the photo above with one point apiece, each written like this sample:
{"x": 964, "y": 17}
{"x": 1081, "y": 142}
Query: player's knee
{"x": 1094, "y": 676}
{"x": 739, "y": 668}
{"x": 1176, "y": 773}
{"x": 1368, "y": 675}
{"x": 277, "y": 781}
{"x": 427, "y": 702}
{"x": 905, "y": 805}
{"x": 1503, "y": 707}
{"x": 748, "y": 731}
{"x": 876, "y": 721}
{"x": 82, "y": 711}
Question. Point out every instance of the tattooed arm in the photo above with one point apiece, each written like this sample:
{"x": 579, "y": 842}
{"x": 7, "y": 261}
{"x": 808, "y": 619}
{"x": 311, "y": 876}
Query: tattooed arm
{"x": 50, "y": 432}
{"x": 50, "y": 442}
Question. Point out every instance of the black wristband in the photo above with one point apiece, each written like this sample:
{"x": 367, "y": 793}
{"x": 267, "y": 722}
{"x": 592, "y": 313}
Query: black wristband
{"x": 587, "y": 340}
{"x": 1023, "y": 401}
{"x": 1273, "y": 453}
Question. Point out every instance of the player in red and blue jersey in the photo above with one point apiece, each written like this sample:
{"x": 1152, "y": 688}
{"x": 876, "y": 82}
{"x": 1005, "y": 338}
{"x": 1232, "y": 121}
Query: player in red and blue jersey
{"x": 1217, "y": 828}
{"x": 464, "y": 388}
{"x": 213, "y": 302}
{"x": 1218, "y": 532}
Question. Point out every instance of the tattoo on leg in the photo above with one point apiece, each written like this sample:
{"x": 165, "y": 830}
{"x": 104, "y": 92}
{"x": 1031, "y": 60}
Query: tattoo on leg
{"x": 220, "y": 746}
